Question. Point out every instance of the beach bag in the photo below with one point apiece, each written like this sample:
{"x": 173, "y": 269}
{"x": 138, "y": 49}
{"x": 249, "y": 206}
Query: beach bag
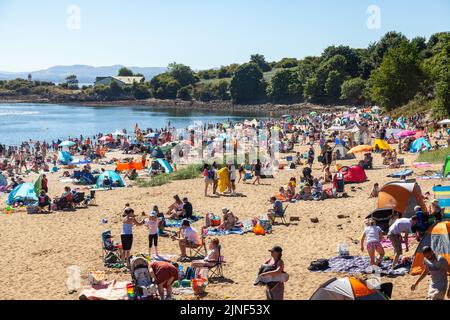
{"x": 190, "y": 274}
{"x": 319, "y": 265}
{"x": 259, "y": 230}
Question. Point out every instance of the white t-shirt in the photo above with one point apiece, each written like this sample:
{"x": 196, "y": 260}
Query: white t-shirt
{"x": 191, "y": 235}
{"x": 400, "y": 226}
{"x": 372, "y": 233}
{"x": 233, "y": 173}
{"x": 152, "y": 226}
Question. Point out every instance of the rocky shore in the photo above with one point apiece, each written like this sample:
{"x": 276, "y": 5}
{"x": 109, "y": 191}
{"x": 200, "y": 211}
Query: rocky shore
{"x": 218, "y": 106}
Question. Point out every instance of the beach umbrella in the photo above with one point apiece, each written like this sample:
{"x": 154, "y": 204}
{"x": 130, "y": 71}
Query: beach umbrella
{"x": 406, "y": 133}
{"x": 118, "y": 133}
{"x": 360, "y": 149}
{"x": 67, "y": 144}
{"x": 444, "y": 122}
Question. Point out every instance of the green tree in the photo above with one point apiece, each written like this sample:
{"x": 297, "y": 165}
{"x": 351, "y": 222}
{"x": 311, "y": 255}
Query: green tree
{"x": 183, "y": 74}
{"x": 71, "y": 82}
{"x": 390, "y": 40}
{"x": 333, "y": 85}
{"x": 285, "y": 86}
{"x": 247, "y": 84}
{"x": 260, "y": 60}
{"x": 115, "y": 89}
{"x": 125, "y": 72}
{"x": 398, "y": 78}
{"x": 441, "y": 105}
{"x": 185, "y": 93}
{"x": 353, "y": 90}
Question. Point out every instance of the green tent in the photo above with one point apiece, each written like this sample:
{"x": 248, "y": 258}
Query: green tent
{"x": 447, "y": 167}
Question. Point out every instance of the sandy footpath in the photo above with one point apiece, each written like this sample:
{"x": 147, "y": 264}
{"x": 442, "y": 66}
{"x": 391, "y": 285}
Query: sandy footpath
{"x": 37, "y": 249}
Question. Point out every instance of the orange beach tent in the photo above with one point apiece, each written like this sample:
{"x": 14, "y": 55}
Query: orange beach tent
{"x": 348, "y": 288}
{"x": 438, "y": 239}
{"x": 402, "y": 197}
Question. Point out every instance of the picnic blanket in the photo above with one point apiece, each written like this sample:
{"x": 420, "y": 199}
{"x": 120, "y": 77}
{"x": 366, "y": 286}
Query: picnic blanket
{"x": 105, "y": 290}
{"x": 219, "y": 232}
{"x": 361, "y": 265}
{"x": 387, "y": 244}
{"x": 176, "y": 223}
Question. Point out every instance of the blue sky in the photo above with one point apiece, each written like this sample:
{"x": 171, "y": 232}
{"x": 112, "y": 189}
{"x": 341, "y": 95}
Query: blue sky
{"x": 200, "y": 33}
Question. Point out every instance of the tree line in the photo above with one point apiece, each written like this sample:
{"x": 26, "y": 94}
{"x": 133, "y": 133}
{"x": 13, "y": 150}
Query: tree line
{"x": 390, "y": 73}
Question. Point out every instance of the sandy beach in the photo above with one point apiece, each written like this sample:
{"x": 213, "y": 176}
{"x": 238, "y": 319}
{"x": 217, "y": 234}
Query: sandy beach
{"x": 38, "y": 249}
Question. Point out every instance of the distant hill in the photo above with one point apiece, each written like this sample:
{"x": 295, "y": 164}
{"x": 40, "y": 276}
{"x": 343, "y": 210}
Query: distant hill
{"x": 84, "y": 73}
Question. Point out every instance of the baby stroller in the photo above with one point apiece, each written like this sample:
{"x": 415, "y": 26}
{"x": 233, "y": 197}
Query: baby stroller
{"x": 144, "y": 287}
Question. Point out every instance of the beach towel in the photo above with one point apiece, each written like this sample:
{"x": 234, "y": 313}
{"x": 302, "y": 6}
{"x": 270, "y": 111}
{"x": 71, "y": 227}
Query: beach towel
{"x": 218, "y": 232}
{"x": 172, "y": 223}
{"x": 112, "y": 290}
{"x": 361, "y": 265}
{"x": 398, "y": 174}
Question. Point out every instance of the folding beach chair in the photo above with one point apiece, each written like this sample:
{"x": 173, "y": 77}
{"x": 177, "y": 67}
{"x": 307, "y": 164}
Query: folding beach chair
{"x": 90, "y": 199}
{"x": 106, "y": 252}
{"x": 281, "y": 217}
{"x": 442, "y": 194}
{"x": 199, "y": 251}
{"x": 216, "y": 271}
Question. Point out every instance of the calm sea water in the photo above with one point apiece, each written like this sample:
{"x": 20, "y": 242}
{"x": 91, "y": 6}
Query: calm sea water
{"x": 20, "y": 122}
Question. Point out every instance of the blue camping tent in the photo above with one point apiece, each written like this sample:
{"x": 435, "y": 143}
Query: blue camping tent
{"x": 64, "y": 157}
{"x": 114, "y": 177}
{"x": 23, "y": 193}
{"x": 420, "y": 144}
{"x": 3, "y": 182}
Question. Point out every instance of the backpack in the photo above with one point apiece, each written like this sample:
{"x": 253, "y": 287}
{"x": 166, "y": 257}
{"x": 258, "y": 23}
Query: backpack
{"x": 319, "y": 265}
{"x": 190, "y": 274}
{"x": 211, "y": 174}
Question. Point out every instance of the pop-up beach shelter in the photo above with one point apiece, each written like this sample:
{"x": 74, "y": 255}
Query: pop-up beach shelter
{"x": 420, "y": 144}
{"x": 114, "y": 178}
{"x": 446, "y": 167}
{"x": 381, "y": 145}
{"x": 402, "y": 197}
{"x": 354, "y": 174}
{"x": 22, "y": 193}
{"x": 348, "y": 288}
{"x": 64, "y": 157}
{"x": 438, "y": 239}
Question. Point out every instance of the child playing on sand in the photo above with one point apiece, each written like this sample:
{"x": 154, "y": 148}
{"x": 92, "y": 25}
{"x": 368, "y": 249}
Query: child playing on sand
{"x": 152, "y": 225}
{"x": 375, "y": 191}
{"x": 373, "y": 234}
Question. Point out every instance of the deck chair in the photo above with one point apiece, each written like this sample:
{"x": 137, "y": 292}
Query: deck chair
{"x": 282, "y": 217}
{"x": 90, "y": 199}
{"x": 442, "y": 194}
{"x": 79, "y": 199}
{"x": 107, "y": 251}
{"x": 200, "y": 251}
{"x": 216, "y": 271}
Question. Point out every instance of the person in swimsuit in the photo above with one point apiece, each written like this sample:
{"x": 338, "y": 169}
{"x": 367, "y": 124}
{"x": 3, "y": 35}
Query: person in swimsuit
{"x": 129, "y": 220}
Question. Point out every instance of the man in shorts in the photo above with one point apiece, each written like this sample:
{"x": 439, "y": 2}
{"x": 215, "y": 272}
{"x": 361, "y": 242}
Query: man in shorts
{"x": 398, "y": 233}
{"x": 188, "y": 238}
{"x": 438, "y": 268}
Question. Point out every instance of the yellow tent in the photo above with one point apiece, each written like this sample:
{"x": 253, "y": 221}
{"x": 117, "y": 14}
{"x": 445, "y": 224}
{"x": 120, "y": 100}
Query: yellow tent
{"x": 381, "y": 145}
